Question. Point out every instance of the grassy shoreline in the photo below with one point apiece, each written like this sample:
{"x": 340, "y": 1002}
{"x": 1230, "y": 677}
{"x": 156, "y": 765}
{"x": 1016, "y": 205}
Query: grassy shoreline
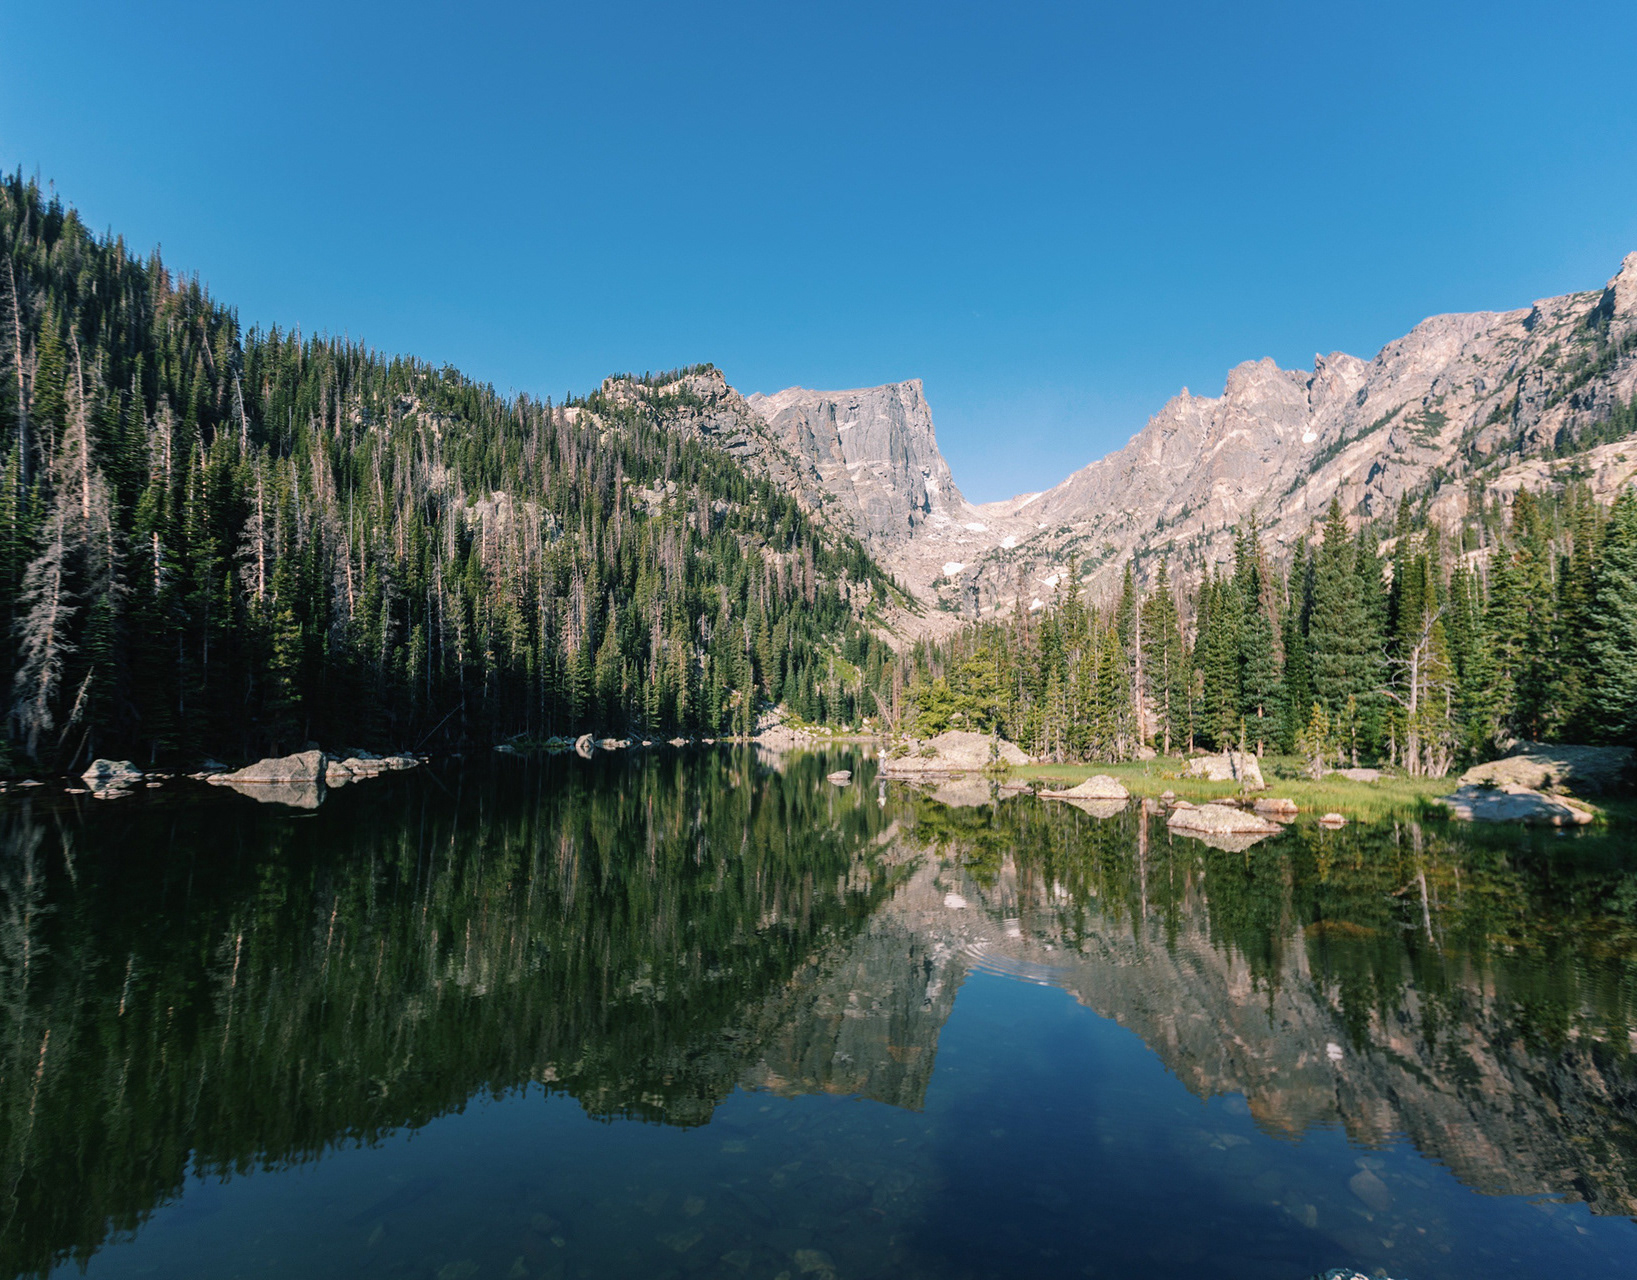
{"x": 1395, "y": 794}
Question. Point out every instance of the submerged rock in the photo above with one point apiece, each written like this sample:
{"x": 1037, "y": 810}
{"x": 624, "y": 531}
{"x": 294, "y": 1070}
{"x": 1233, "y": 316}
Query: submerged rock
{"x": 841, "y": 777}
{"x": 1512, "y": 803}
{"x": 1333, "y": 821}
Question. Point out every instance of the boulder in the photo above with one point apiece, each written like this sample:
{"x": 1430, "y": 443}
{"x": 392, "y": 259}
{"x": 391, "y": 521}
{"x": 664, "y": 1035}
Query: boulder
{"x": 1513, "y": 803}
{"x": 1356, "y": 775}
{"x": 955, "y": 752}
{"x": 1276, "y": 808}
{"x": 1098, "y": 787}
{"x": 1334, "y": 821}
{"x": 1229, "y": 766}
{"x": 1589, "y": 770}
{"x": 304, "y": 766}
{"x": 1219, "y": 819}
{"x": 104, "y": 774}
{"x": 584, "y": 745}
{"x": 841, "y": 777}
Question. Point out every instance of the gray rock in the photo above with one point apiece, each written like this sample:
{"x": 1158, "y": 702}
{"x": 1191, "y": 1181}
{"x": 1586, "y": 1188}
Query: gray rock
{"x": 1270, "y": 807}
{"x": 841, "y": 777}
{"x": 104, "y": 774}
{"x": 956, "y": 751}
{"x": 1219, "y": 819}
{"x": 303, "y": 767}
{"x": 1512, "y": 803}
{"x": 1230, "y": 766}
{"x": 873, "y": 451}
{"x": 1541, "y": 767}
{"x": 1356, "y": 775}
{"x": 584, "y": 745}
{"x": 1098, "y": 787}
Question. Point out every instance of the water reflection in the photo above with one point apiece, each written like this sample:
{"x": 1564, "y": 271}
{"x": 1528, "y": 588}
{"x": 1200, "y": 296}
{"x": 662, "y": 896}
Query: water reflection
{"x": 196, "y": 984}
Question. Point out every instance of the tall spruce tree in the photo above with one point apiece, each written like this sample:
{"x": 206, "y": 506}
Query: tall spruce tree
{"x": 1611, "y": 639}
{"x": 1342, "y": 643}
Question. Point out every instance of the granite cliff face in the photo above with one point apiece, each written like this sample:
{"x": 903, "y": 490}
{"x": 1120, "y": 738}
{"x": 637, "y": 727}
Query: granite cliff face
{"x": 874, "y": 451}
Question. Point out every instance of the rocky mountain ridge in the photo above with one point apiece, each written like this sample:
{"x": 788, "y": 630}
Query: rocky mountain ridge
{"x": 1485, "y": 402}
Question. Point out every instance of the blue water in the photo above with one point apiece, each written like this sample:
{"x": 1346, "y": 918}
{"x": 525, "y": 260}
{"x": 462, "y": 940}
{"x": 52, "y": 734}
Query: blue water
{"x": 913, "y": 1089}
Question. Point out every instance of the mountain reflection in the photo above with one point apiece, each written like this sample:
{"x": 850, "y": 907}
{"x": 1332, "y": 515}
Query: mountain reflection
{"x": 204, "y": 986}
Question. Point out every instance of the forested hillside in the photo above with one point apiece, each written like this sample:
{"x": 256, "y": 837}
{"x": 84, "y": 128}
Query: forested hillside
{"x": 1420, "y": 649}
{"x": 217, "y": 542}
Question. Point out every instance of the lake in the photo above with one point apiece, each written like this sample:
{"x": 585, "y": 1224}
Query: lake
{"x": 702, "y": 1013}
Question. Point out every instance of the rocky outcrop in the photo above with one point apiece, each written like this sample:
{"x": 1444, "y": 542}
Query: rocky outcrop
{"x": 1542, "y": 767}
{"x": 1229, "y": 766}
{"x": 1512, "y": 803}
{"x": 874, "y": 453}
{"x": 304, "y": 766}
{"x": 300, "y": 781}
{"x": 1508, "y": 391}
{"x": 1455, "y": 393}
{"x": 1219, "y": 819}
{"x": 355, "y": 766}
{"x": 111, "y": 777}
{"x": 956, "y": 751}
{"x": 1098, "y": 787}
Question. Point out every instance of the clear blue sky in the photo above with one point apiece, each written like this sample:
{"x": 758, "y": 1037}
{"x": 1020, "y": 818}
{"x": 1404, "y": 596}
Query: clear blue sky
{"x": 1056, "y": 215}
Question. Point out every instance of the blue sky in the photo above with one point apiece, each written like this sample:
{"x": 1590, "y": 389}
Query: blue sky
{"x": 1055, "y": 214}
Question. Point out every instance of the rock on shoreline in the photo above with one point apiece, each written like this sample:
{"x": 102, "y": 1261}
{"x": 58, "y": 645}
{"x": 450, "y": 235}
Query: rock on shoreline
{"x": 300, "y": 780}
{"x": 1513, "y": 803}
{"x": 956, "y": 751}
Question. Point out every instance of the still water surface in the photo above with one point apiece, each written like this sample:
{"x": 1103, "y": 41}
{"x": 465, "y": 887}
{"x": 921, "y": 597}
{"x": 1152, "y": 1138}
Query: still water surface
{"x": 706, "y": 1014}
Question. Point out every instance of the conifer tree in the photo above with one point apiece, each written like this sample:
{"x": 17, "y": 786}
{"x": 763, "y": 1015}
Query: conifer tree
{"x": 1341, "y": 641}
{"x": 1611, "y": 640}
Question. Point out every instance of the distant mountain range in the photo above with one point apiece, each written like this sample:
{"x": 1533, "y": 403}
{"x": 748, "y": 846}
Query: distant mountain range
{"x": 1484, "y": 402}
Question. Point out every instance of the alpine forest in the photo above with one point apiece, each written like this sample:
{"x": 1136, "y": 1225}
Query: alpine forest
{"x": 218, "y": 542}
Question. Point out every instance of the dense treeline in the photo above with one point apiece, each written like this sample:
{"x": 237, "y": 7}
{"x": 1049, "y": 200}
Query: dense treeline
{"x": 1420, "y": 652}
{"x": 215, "y": 542}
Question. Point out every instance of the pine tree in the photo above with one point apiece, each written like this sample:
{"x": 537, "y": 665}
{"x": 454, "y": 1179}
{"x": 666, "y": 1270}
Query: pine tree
{"x": 1165, "y": 661}
{"x": 1343, "y": 651}
{"x": 1611, "y": 642}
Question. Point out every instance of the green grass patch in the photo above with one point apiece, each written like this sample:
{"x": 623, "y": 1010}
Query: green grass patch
{"x": 1394, "y": 795}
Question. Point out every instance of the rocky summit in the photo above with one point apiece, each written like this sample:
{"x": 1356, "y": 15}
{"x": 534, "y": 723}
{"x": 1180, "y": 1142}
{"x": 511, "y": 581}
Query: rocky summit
{"x": 1485, "y": 402}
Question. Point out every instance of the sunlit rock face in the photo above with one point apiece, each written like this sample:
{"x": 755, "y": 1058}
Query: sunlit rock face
{"x": 1500, "y": 391}
{"x": 1504, "y": 393}
{"x": 875, "y": 453}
